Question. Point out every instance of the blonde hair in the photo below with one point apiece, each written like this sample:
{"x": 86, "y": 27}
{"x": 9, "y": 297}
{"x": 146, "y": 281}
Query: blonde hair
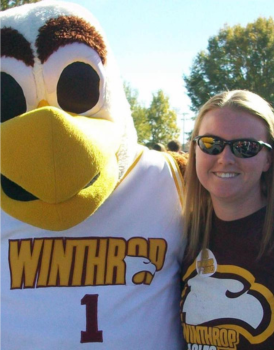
{"x": 198, "y": 206}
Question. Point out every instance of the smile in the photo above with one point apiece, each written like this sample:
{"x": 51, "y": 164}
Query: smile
{"x": 226, "y": 175}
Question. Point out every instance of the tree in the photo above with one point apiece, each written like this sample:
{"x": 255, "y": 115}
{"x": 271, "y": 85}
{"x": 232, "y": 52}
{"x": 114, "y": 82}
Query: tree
{"x": 139, "y": 114}
{"x": 158, "y": 123}
{"x": 6, "y": 4}
{"x": 237, "y": 58}
{"x": 162, "y": 120}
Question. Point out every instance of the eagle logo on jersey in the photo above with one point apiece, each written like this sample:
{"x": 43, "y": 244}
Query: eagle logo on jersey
{"x": 231, "y": 305}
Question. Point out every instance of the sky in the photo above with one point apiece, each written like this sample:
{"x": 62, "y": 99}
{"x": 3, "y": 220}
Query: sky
{"x": 155, "y": 41}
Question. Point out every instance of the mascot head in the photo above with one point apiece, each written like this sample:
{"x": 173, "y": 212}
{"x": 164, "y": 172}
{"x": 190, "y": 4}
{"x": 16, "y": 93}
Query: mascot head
{"x": 66, "y": 129}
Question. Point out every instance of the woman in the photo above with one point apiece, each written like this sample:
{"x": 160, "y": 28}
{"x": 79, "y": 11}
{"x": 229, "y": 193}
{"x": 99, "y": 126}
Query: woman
{"x": 228, "y": 273}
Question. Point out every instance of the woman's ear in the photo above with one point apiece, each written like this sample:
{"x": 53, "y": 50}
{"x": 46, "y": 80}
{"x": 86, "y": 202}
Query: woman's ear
{"x": 269, "y": 160}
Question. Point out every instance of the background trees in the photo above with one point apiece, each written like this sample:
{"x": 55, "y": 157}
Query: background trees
{"x": 158, "y": 123}
{"x": 139, "y": 115}
{"x": 6, "y": 4}
{"x": 236, "y": 58}
{"x": 162, "y": 120}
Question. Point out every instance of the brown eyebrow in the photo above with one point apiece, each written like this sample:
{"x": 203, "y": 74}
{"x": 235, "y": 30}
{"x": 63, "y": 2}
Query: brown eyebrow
{"x": 13, "y": 44}
{"x": 60, "y": 31}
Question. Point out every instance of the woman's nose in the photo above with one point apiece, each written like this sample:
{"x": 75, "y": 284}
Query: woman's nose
{"x": 226, "y": 156}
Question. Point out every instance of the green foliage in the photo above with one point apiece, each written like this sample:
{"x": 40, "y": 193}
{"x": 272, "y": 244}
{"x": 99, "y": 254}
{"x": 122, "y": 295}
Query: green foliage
{"x": 162, "y": 120}
{"x": 6, "y": 4}
{"x": 156, "y": 124}
{"x": 237, "y": 58}
{"x": 139, "y": 115}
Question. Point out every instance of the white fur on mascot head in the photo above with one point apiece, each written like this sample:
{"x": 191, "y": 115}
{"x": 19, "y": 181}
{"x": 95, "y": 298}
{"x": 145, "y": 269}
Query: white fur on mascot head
{"x": 67, "y": 133}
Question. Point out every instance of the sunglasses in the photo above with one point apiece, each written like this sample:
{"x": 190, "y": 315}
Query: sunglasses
{"x": 241, "y": 148}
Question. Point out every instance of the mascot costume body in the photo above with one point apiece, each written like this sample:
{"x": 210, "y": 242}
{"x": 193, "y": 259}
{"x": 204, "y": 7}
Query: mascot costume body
{"x": 91, "y": 225}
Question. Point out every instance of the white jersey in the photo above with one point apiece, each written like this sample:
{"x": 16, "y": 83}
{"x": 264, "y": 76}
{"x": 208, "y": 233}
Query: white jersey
{"x": 111, "y": 282}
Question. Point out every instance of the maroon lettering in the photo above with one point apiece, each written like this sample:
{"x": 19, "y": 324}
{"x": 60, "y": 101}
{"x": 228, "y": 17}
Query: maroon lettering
{"x": 91, "y": 334}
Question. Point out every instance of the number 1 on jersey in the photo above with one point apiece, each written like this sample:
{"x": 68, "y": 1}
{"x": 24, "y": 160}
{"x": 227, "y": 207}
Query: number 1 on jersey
{"x": 91, "y": 334}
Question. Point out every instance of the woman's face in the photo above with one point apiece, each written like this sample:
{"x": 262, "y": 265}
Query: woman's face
{"x": 232, "y": 180}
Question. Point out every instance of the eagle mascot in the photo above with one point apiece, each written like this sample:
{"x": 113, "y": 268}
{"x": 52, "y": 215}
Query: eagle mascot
{"x": 91, "y": 225}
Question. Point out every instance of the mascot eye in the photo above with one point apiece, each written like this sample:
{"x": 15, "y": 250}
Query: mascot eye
{"x": 74, "y": 79}
{"x": 78, "y": 88}
{"x": 13, "y": 102}
{"x": 18, "y": 89}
